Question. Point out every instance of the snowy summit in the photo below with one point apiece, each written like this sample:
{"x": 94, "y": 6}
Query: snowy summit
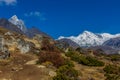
{"x": 88, "y": 38}
{"x": 18, "y": 22}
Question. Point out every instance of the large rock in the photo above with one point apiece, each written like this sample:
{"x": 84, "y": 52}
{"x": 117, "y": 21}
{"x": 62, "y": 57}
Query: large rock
{"x": 4, "y": 53}
{"x": 23, "y": 46}
{"x": 1, "y": 42}
{"x": 52, "y": 73}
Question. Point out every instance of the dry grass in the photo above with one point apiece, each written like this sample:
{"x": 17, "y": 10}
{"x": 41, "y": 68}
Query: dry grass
{"x": 15, "y": 68}
{"x": 3, "y": 30}
{"x": 88, "y": 72}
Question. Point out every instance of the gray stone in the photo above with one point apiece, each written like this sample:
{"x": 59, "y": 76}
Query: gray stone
{"x": 52, "y": 73}
{"x": 23, "y": 46}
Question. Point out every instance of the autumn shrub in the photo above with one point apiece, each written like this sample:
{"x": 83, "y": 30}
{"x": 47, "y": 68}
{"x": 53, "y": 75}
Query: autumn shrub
{"x": 50, "y": 53}
{"x": 53, "y": 57}
{"x": 48, "y": 46}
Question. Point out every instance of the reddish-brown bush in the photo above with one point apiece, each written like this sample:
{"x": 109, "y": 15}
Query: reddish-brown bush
{"x": 53, "y": 57}
{"x": 47, "y": 46}
{"x": 50, "y": 53}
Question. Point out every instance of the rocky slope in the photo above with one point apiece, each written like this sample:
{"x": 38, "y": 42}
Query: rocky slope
{"x": 37, "y": 58}
{"x": 114, "y": 43}
{"x": 4, "y": 23}
{"x": 18, "y": 22}
{"x": 65, "y": 43}
{"x": 34, "y": 31}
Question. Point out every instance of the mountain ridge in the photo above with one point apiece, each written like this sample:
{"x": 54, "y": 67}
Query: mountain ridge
{"x": 88, "y": 38}
{"x": 17, "y": 25}
{"x": 18, "y": 22}
{"x": 8, "y": 25}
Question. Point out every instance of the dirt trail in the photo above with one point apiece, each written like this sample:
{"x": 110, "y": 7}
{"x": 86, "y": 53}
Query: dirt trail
{"x": 23, "y": 67}
{"x": 31, "y": 62}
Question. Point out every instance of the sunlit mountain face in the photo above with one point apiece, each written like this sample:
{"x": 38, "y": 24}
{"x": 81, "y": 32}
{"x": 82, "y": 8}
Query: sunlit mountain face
{"x": 88, "y": 38}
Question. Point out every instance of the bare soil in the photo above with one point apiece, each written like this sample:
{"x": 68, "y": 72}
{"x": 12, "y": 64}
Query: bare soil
{"x": 22, "y": 67}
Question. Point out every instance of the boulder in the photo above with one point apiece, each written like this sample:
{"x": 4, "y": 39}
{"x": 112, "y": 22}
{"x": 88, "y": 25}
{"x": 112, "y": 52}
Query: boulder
{"x": 52, "y": 73}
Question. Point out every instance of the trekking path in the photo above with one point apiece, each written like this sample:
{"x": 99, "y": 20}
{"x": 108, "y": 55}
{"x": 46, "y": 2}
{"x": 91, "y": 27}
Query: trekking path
{"x": 32, "y": 62}
{"x": 24, "y": 67}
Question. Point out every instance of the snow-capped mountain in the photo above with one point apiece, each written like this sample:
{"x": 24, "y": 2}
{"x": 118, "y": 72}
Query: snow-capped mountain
{"x": 31, "y": 32}
{"x": 91, "y": 39}
{"x": 18, "y": 22}
{"x": 4, "y": 23}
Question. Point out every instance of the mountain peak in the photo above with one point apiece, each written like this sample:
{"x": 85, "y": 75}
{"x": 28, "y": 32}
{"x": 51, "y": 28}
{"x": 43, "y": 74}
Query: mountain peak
{"x": 18, "y": 22}
{"x": 87, "y": 31}
{"x": 88, "y": 38}
{"x": 86, "y": 34}
{"x": 61, "y": 37}
{"x": 14, "y": 17}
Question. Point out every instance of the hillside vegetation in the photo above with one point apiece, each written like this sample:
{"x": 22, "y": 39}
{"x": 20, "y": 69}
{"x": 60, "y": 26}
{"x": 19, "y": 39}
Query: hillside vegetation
{"x": 39, "y": 58}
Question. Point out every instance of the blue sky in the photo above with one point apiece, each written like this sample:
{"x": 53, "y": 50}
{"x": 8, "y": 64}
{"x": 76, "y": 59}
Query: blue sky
{"x": 66, "y": 17}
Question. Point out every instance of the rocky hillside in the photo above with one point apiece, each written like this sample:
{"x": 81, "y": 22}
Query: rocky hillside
{"x": 65, "y": 43}
{"x": 19, "y": 56}
{"x": 8, "y": 25}
{"x": 41, "y": 58}
{"x": 114, "y": 43}
{"x": 18, "y": 22}
{"x": 34, "y": 31}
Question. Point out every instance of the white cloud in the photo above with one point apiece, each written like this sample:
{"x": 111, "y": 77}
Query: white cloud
{"x": 8, "y": 2}
{"x": 35, "y": 14}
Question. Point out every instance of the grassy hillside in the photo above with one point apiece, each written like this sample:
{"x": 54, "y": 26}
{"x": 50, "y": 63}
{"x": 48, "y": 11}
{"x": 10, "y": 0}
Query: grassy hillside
{"x": 45, "y": 61}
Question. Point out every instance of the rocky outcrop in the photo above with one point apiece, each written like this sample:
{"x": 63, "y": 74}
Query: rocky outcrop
{"x": 18, "y": 22}
{"x": 4, "y": 55}
{"x": 66, "y": 43}
{"x": 13, "y": 42}
{"x": 114, "y": 43}
{"x": 4, "y": 23}
{"x": 23, "y": 46}
{"x": 4, "y": 52}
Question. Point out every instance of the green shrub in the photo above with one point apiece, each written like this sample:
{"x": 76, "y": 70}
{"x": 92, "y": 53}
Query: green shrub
{"x": 94, "y": 62}
{"x": 85, "y": 60}
{"x": 112, "y": 72}
{"x": 69, "y": 53}
{"x": 79, "y": 49}
{"x": 111, "y": 69}
{"x": 60, "y": 77}
{"x": 115, "y": 57}
{"x": 69, "y": 63}
{"x": 112, "y": 77}
{"x": 66, "y": 73}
